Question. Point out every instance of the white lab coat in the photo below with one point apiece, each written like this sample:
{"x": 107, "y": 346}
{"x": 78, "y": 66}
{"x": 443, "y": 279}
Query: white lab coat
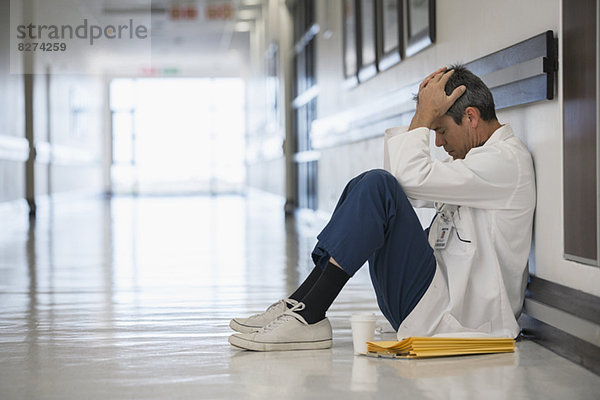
{"x": 478, "y": 287}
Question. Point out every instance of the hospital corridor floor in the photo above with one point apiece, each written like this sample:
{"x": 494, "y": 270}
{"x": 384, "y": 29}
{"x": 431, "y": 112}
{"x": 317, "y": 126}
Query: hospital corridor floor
{"x": 131, "y": 298}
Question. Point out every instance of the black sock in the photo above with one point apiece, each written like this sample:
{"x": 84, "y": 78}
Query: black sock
{"x": 308, "y": 283}
{"x": 323, "y": 293}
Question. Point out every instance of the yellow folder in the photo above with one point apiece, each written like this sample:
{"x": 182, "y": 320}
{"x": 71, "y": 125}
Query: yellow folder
{"x": 421, "y": 347}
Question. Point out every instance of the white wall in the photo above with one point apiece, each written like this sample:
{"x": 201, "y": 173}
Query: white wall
{"x": 13, "y": 147}
{"x": 266, "y": 131}
{"x": 466, "y": 30}
{"x": 76, "y": 129}
{"x": 67, "y": 125}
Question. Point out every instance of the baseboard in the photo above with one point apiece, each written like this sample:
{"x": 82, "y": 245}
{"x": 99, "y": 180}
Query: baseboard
{"x": 20, "y": 207}
{"x": 568, "y": 346}
{"x": 572, "y": 301}
{"x": 565, "y": 301}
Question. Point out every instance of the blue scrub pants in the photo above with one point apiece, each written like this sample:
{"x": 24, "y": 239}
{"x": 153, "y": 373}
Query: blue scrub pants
{"x": 374, "y": 221}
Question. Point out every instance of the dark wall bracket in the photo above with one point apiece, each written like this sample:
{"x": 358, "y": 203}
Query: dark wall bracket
{"x": 522, "y": 73}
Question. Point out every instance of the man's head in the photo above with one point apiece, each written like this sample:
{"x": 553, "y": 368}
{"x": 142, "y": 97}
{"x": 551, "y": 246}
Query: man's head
{"x": 471, "y": 120}
{"x": 477, "y": 95}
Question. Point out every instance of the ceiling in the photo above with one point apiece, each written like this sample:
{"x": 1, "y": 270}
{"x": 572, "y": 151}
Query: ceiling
{"x": 214, "y": 45}
{"x": 186, "y": 37}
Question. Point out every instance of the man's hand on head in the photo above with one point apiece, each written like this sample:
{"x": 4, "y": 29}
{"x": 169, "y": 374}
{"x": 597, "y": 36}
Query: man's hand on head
{"x": 432, "y": 99}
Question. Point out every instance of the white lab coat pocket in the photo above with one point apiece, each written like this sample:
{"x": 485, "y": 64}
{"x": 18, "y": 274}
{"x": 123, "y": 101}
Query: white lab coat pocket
{"x": 449, "y": 326}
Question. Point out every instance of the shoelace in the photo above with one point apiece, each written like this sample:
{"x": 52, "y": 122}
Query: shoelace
{"x": 286, "y": 316}
{"x": 298, "y": 307}
{"x": 287, "y": 301}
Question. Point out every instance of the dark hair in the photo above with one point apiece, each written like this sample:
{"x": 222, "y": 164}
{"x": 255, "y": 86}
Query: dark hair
{"x": 478, "y": 95}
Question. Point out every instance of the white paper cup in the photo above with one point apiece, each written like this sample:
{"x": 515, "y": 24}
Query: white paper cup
{"x": 363, "y": 330}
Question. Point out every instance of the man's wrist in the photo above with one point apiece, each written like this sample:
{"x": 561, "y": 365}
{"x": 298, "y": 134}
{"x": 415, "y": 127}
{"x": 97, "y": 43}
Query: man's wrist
{"x": 420, "y": 121}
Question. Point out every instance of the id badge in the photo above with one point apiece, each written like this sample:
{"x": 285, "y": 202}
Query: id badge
{"x": 443, "y": 233}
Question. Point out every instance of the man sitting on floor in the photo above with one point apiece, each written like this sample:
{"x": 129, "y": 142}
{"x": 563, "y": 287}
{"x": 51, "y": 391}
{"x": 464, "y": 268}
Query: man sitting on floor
{"x": 466, "y": 273}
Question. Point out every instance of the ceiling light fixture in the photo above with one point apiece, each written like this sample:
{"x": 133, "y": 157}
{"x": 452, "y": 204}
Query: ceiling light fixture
{"x": 252, "y": 2}
{"x": 243, "y": 26}
{"x": 246, "y": 15}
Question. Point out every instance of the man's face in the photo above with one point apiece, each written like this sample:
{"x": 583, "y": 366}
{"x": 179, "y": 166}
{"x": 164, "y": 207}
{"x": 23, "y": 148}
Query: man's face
{"x": 456, "y": 139}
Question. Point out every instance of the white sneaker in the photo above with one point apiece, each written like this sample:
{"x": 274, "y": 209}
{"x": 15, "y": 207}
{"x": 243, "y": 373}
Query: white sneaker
{"x": 257, "y": 321}
{"x": 288, "y": 332}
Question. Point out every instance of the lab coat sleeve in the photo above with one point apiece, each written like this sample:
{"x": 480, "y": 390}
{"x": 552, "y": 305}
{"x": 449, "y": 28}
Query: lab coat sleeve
{"x": 486, "y": 178}
{"x": 389, "y": 133}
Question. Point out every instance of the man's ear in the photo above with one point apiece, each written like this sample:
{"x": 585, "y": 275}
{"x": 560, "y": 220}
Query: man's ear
{"x": 473, "y": 116}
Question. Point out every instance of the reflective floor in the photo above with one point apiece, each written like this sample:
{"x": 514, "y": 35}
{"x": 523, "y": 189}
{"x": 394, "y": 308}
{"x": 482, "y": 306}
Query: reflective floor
{"x": 131, "y": 298}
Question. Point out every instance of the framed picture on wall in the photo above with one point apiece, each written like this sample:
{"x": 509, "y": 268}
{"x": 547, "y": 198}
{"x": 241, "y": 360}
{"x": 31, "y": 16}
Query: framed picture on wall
{"x": 350, "y": 44}
{"x": 367, "y": 55}
{"x": 390, "y": 33}
{"x": 420, "y": 25}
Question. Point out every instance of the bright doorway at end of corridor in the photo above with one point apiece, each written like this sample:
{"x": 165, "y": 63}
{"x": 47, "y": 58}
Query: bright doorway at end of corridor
{"x": 177, "y": 135}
